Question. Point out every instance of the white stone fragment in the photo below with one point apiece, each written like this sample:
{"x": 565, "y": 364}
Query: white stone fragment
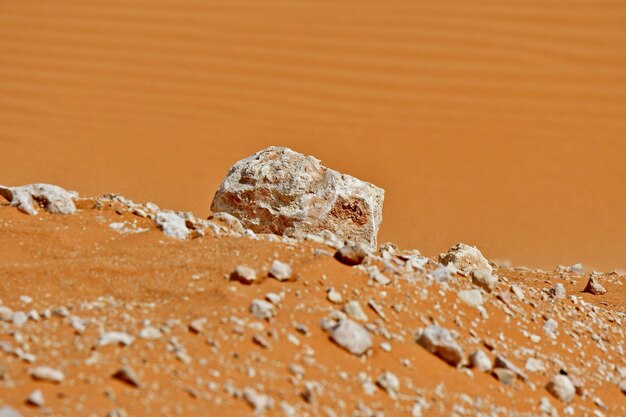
{"x": 46, "y": 373}
{"x": 351, "y": 336}
{"x": 562, "y": 388}
{"x": 440, "y": 342}
{"x": 36, "y": 398}
{"x": 354, "y": 311}
{"x": 472, "y": 298}
{"x": 479, "y": 360}
{"x": 51, "y": 198}
{"x": 19, "y": 319}
{"x": 390, "y": 383}
{"x": 150, "y": 333}
{"x": 172, "y": 225}
{"x": 259, "y": 402}
{"x": 334, "y": 297}
{"x": 262, "y": 309}
{"x": 113, "y": 338}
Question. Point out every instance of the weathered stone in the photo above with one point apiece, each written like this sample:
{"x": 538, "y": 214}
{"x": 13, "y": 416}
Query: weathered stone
{"x": 243, "y": 274}
{"x": 284, "y": 192}
{"x": 334, "y": 297}
{"x": 172, "y": 225}
{"x": 562, "y": 388}
{"x": 439, "y": 341}
{"x": 558, "y": 291}
{"x": 259, "y": 402}
{"x": 479, "y": 360}
{"x": 115, "y": 338}
{"x": 593, "y": 286}
{"x": 150, "y": 333}
{"x": 36, "y": 398}
{"x": 6, "y": 411}
{"x": 46, "y": 373}
{"x": 280, "y": 270}
{"x": 128, "y": 376}
{"x": 389, "y": 382}
{"x": 6, "y": 314}
{"x": 506, "y": 376}
{"x": 622, "y": 387}
{"x": 472, "y": 298}
{"x": 351, "y": 336}
{"x": 534, "y": 365}
{"x": 354, "y": 311}
{"x": 51, "y": 198}
{"x": 466, "y": 259}
{"x": 502, "y": 362}
{"x": 351, "y": 254}
{"x": 261, "y": 309}
{"x": 484, "y": 280}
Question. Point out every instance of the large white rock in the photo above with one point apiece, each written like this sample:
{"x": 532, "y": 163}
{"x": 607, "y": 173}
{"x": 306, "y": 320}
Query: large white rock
{"x": 51, "y": 198}
{"x": 280, "y": 191}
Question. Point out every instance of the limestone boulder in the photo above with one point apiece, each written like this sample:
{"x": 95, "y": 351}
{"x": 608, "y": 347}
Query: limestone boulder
{"x": 51, "y": 198}
{"x": 283, "y": 192}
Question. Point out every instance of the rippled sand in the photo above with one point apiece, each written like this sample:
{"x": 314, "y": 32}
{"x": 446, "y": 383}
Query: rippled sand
{"x": 501, "y": 125}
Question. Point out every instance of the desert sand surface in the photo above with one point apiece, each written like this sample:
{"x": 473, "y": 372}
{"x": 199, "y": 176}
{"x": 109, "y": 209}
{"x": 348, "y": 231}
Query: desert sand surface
{"x": 497, "y": 123}
{"x": 102, "y": 290}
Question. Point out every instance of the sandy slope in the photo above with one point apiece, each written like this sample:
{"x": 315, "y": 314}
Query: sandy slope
{"x": 77, "y": 269}
{"x": 499, "y": 123}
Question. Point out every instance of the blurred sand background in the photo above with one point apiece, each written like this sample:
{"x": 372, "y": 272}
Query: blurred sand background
{"x": 499, "y": 123}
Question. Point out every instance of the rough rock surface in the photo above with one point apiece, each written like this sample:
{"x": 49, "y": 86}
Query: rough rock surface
{"x": 439, "y": 341}
{"x": 561, "y": 387}
{"x": 172, "y": 225}
{"x": 593, "y": 286}
{"x": 351, "y": 336}
{"x": 280, "y": 191}
{"x": 51, "y": 198}
{"x": 466, "y": 258}
{"x": 351, "y": 254}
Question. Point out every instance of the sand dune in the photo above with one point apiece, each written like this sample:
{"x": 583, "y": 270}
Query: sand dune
{"x": 501, "y": 124}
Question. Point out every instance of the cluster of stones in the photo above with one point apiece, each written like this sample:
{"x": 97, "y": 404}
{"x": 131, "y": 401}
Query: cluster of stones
{"x": 462, "y": 269}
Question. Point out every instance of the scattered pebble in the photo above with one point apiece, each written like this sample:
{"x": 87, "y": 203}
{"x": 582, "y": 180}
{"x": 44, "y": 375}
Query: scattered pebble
{"x": 479, "y": 360}
{"x": 259, "y": 402}
{"x": 351, "y": 254}
{"x": 439, "y": 341}
{"x": 45, "y": 373}
{"x": 172, "y": 225}
{"x": 351, "y": 336}
{"x": 593, "y": 286}
{"x": 36, "y": 398}
{"x": 113, "y": 338}
{"x": 243, "y": 274}
{"x": 281, "y": 271}
{"x": 261, "y": 309}
{"x": 558, "y": 291}
{"x": 354, "y": 311}
{"x": 472, "y": 298}
{"x": 128, "y": 376}
{"x": 334, "y": 297}
{"x": 484, "y": 279}
{"x": 562, "y": 388}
